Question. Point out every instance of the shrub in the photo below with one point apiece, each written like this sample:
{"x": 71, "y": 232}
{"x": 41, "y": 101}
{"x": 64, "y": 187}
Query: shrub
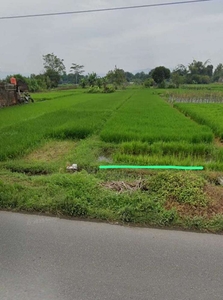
{"x": 180, "y": 188}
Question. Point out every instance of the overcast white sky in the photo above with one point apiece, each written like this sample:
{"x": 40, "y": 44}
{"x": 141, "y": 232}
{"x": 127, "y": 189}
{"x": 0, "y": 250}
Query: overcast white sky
{"x": 131, "y": 39}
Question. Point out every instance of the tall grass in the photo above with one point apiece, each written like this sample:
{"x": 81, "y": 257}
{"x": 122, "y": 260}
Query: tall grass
{"x": 177, "y": 160}
{"x": 169, "y": 148}
{"x": 172, "y": 153}
{"x": 208, "y": 87}
{"x": 195, "y": 96}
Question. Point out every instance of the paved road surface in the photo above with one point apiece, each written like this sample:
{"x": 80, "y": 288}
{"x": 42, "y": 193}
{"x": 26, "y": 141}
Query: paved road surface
{"x": 44, "y": 258}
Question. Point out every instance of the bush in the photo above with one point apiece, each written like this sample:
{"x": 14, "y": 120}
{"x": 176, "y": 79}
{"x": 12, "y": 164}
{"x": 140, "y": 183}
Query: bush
{"x": 94, "y": 90}
{"x": 172, "y": 86}
{"x": 180, "y": 188}
{"x": 73, "y": 207}
{"x": 162, "y": 85}
{"x": 108, "y": 89}
{"x": 149, "y": 83}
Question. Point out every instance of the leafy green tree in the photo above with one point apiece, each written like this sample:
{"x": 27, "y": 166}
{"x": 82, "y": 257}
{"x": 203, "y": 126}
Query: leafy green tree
{"x": 68, "y": 78}
{"x": 141, "y": 76}
{"x": 148, "y": 83}
{"x": 209, "y": 71}
{"x": 54, "y": 77}
{"x": 116, "y": 76}
{"x": 218, "y": 73}
{"x": 129, "y": 76}
{"x": 197, "y": 72}
{"x": 83, "y": 83}
{"x": 177, "y": 79}
{"x": 48, "y": 82}
{"x": 42, "y": 81}
{"x": 54, "y": 69}
{"x": 77, "y": 70}
{"x": 92, "y": 79}
{"x": 205, "y": 79}
{"x": 52, "y": 62}
{"x": 32, "y": 83}
{"x": 160, "y": 74}
{"x": 198, "y": 68}
{"x": 181, "y": 70}
{"x": 99, "y": 82}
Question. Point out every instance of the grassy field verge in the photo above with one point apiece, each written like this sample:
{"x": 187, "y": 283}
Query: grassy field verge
{"x": 159, "y": 199}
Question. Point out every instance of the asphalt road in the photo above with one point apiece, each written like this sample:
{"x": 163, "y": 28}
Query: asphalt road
{"x": 48, "y": 258}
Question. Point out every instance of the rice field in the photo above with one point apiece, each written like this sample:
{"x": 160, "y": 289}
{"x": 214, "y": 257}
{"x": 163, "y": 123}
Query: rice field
{"x": 210, "y": 115}
{"x": 22, "y": 128}
{"x": 135, "y": 126}
{"x": 147, "y": 118}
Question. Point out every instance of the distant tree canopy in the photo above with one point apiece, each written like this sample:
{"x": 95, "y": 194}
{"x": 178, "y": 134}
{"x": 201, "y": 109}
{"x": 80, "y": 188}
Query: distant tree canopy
{"x": 141, "y": 76}
{"x": 77, "y": 70}
{"x": 52, "y": 62}
{"x": 200, "y": 68}
{"x": 181, "y": 70}
{"x": 218, "y": 73}
{"x": 129, "y": 76}
{"x": 54, "y": 69}
{"x": 53, "y": 78}
{"x": 92, "y": 79}
{"x": 116, "y": 76}
{"x": 160, "y": 74}
{"x": 196, "y": 72}
{"x": 199, "y": 72}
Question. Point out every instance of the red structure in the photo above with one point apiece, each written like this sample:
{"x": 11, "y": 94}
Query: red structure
{"x": 13, "y": 80}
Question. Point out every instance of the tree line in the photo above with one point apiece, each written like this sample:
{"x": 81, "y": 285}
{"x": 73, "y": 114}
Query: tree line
{"x": 197, "y": 72}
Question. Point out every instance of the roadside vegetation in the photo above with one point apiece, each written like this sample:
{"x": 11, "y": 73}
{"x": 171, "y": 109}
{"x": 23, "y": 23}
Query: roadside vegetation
{"x": 132, "y": 126}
